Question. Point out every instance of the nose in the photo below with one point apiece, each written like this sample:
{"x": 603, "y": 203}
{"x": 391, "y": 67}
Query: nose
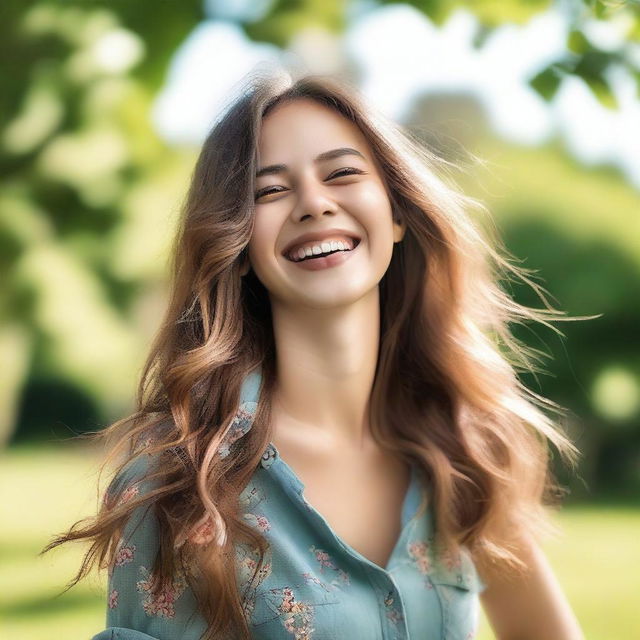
{"x": 313, "y": 200}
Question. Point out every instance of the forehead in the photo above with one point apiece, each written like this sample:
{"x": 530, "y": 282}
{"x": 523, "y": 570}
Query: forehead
{"x": 303, "y": 128}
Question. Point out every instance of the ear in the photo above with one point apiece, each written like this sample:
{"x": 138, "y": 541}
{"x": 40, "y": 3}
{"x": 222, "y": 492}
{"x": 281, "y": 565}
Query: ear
{"x": 399, "y": 228}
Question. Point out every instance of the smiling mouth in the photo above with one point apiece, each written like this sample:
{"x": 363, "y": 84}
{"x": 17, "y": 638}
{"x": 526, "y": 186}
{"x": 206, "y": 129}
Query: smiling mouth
{"x": 356, "y": 242}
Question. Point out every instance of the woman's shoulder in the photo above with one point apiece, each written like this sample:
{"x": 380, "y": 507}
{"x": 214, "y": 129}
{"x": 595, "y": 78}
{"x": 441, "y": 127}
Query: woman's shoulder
{"x": 132, "y": 481}
{"x": 137, "y": 610}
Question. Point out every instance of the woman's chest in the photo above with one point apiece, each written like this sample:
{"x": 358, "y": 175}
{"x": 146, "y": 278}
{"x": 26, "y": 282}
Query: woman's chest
{"x": 314, "y": 587}
{"x": 359, "y": 496}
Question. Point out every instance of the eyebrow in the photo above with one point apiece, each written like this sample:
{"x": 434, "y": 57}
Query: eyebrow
{"x": 326, "y": 155}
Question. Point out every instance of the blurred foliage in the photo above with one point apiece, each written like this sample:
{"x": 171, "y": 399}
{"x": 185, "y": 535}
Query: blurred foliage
{"x": 574, "y": 228}
{"x": 586, "y": 58}
{"x": 285, "y": 18}
{"x": 89, "y": 195}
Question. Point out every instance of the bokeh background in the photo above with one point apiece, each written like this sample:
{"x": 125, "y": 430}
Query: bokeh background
{"x": 102, "y": 108}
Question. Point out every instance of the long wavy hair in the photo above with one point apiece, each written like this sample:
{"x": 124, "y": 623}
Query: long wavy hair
{"x": 446, "y": 393}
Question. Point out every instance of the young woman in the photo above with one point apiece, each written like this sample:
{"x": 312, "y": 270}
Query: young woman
{"x": 330, "y": 439}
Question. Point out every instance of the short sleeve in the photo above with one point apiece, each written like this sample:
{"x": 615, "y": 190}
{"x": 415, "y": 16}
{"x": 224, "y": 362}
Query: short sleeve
{"x": 133, "y": 611}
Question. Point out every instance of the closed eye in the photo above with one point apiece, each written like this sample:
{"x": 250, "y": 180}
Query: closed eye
{"x": 345, "y": 172}
{"x": 336, "y": 174}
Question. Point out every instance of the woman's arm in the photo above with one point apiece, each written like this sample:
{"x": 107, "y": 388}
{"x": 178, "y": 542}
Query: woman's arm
{"x": 530, "y": 605}
{"x": 134, "y": 610}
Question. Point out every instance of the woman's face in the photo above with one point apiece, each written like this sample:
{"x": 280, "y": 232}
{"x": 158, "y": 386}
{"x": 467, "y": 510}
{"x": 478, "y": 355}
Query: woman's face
{"x": 317, "y": 177}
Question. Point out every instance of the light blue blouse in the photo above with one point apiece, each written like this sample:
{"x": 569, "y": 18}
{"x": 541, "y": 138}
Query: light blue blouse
{"x": 314, "y": 586}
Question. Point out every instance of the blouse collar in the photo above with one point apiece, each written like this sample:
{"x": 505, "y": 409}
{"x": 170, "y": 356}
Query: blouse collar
{"x": 245, "y": 415}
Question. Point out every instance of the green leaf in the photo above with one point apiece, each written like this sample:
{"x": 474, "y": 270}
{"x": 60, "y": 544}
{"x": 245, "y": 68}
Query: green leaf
{"x": 286, "y": 18}
{"x": 546, "y": 83}
{"x": 494, "y": 13}
{"x": 438, "y": 11}
{"x": 591, "y": 68}
{"x": 577, "y": 42}
{"x": 602, "y": 92}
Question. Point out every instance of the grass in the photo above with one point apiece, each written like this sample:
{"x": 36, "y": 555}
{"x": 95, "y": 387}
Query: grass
{"x": 45, "y": 490}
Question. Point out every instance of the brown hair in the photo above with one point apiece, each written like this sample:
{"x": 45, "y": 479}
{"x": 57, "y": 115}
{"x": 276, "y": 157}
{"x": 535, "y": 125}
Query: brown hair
{"x": 446, "y": 394}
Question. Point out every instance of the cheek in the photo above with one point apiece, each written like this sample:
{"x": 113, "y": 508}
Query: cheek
{"x": 262, "y": 241}
{"x": 372, "y": 208}
{"x": 369, "y": 200}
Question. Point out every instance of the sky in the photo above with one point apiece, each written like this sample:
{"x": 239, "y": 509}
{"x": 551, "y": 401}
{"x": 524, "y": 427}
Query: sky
{"x": 401, "y": 55}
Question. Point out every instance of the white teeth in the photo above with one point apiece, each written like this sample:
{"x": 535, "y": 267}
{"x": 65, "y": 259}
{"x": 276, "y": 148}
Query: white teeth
{"x": 324, "y": 247}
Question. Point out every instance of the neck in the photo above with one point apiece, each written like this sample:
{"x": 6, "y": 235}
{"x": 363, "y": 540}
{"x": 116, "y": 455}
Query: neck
{"x": 326, "y": 363}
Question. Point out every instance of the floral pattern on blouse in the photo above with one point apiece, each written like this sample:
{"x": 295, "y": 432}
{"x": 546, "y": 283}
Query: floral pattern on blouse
{"x": 296, "y": 616}
{"x": 323, "y": 558}
{"x": 453, "y": 562}
{"x": 258, "y": 521}
{"x": 419, "y": 551}
{"x": 124, "y": 555}
{"x": 309, "y": 578}
{"x": 240, "y": 425}
{"x": 392, "y": 612}
{"x": 246, "y": 563}
{"x": 251, "y": 497}
{"x": 160, "y": 603}
{"x": 339, "y": 577}
{"x": 440, "y": 565}
{"x": 128, "y": 494}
